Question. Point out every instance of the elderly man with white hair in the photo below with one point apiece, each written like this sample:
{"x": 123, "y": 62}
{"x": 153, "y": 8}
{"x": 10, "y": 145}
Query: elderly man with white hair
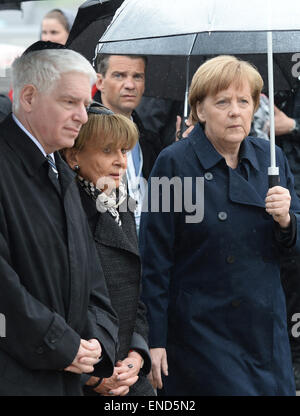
{"x": 59, "y": 321}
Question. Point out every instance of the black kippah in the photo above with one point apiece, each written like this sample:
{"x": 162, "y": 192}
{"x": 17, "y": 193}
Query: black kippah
{"x": 42, "y": 45}
{"x": 98, "y": 108}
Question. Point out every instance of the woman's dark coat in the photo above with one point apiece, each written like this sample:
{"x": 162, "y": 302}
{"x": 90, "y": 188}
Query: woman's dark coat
{"x": 52, "y": 289}
{"x": 212, "y": 288}
{"x": 118, "y": 251}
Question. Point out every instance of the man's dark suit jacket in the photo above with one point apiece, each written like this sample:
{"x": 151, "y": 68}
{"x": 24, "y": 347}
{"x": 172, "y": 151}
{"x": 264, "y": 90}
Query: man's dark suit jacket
{"x": 52, "y": 289}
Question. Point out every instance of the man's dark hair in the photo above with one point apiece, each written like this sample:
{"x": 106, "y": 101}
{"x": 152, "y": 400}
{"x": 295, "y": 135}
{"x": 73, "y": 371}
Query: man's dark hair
{"x": 102, "y": 61}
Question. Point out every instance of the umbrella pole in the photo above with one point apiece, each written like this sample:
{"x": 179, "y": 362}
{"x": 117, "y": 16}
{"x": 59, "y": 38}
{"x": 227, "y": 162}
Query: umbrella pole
{"x": 187, "y": 81}
{"x": 273, "y": 170}
{"x": 186, "y": 95}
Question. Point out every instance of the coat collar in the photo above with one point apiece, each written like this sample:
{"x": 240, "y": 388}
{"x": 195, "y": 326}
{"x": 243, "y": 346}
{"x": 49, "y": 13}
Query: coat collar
{"x": 209, "y": 156}
{"x": 104, "y": 228}
{"x": 108, "y": 233}
{"x": 240, "y": 190}
{"x": 66, "y": 174}
{"x": 31, "y": 156}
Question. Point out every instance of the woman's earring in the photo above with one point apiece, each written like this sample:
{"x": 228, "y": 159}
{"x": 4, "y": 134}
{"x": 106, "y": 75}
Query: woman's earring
{"x": 76, "y": 168}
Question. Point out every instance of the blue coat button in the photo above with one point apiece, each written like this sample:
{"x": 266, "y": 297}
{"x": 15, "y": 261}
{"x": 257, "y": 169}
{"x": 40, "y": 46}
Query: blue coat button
{"x": 222, "y": 216}
{"x": 230, "y": 259}
{"x": 208, "y": 176}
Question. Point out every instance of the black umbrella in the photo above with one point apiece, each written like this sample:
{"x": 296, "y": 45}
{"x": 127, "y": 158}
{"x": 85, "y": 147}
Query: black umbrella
{"x": 11, "y": 5}
{"x": 166, "y": 75}
{"x": 92, "y": 19}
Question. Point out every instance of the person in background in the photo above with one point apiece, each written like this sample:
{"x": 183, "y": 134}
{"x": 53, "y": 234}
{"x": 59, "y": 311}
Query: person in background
{"x": 121, "y": 84}
{"x": 5, "y": 106}
{"x": 59, "y": 320}
{"x": 160, "y": 115}
{"x": 287, "y": 131}
{"x": 99, "y": 158}
{"x": 211, "y": 282}
{"x": 56, "y": 25}
{"x": 261, "y": 121}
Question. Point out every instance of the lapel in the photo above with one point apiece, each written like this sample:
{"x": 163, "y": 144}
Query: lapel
{"x": 66, "y": 175}
{"x": 106, "y": 231}
{"x": 54, "y": 180}
{"x": 240, "y": 190}
{"x": 253, "y": 190}
{"x": 29, "y": 154}
{"x": 32, "y": 158}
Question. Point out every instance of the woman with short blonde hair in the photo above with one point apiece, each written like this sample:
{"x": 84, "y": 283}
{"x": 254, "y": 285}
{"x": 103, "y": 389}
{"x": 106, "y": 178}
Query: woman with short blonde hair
{"x": 211, "y": 280}
{"x": 114, "y": 130}
{"x": 99, "y": 159}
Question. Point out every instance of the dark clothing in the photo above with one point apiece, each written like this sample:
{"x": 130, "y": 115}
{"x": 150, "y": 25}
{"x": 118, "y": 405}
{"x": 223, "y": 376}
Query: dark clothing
{"x": 5, "y": 106}
{"x": 118, "y": 250}
{"x": 150, "y": 142}
{"x": 160, "y": 115}
{"x": 289, "y": 103}
{"x": 212, "y": 288}
{"x": 150, "y": 146}
{"x": 290, "y": 143}
{"x": 290, "y": 275}
{"x": 52, "y": 289}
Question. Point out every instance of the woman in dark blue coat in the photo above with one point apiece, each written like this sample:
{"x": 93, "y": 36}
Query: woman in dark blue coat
{"x": 211, "y": 279}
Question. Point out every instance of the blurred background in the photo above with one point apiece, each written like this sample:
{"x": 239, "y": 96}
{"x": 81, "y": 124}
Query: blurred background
{"x": 20, "y": 28}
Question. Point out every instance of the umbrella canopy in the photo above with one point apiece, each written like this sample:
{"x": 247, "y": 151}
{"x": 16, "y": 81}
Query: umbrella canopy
{"x": 141, "y": 19}
{"x": 212, "y": 28}
{"x": 166, "y": 76}
{"x": 92, "y": 19}
{"x": 194, "y": 27}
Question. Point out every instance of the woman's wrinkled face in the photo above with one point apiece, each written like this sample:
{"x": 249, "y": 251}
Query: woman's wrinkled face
{"x": 105, "y": 164}
{"x": 54, "y": 31}
{"x": 227, "y": 115}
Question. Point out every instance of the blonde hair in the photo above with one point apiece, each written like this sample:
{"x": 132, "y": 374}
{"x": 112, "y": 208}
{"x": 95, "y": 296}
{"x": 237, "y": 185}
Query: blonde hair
{"x": 217, "y": 74}
{"x": 113, "y": 130}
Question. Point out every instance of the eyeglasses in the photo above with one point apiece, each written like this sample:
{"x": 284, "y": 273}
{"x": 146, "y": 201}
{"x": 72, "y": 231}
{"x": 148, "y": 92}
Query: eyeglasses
{"x": 98, "y": 108}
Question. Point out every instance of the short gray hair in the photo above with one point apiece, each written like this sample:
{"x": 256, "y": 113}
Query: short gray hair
{"x": 44, "y": 68}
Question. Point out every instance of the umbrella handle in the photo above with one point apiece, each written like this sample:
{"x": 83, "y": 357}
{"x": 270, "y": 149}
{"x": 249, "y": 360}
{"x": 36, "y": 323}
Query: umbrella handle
{"x": 274, "y": 180}
{"x": 273, "y": 177}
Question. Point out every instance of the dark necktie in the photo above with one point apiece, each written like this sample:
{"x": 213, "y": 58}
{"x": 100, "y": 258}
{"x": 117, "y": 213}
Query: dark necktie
{"x": 53, "y": 173}
{"x": 52, "y": 165}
